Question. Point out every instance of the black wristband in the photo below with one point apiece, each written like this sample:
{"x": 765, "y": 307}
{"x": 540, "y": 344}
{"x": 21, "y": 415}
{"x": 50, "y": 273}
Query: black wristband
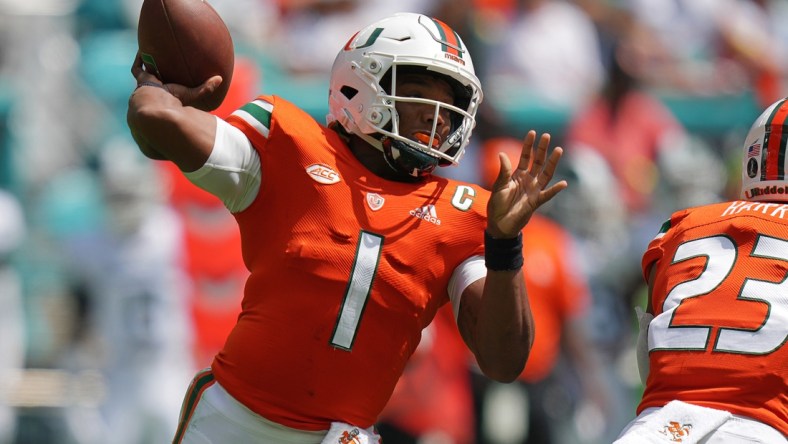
{"x": 503, "y": 254}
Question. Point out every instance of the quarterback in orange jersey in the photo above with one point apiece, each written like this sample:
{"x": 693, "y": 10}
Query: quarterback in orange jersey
{"x": 351, "y": 243}
{"x": 717, "y": 359}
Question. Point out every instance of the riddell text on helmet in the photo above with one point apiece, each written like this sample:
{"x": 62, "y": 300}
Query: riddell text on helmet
{"x": 765, "y": 191}
{"x": 454, "y": 58}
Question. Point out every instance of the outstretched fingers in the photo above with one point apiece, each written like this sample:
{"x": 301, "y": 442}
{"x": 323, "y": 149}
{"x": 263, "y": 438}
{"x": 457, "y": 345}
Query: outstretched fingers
{"x": 525, "y": 151}
{"x": 530, "y": 161}
{"x": 547, "y": 175}
{"x": 551, "y": 192}
{"x": 504, "y": 172}
{"x": 541, "y": 154}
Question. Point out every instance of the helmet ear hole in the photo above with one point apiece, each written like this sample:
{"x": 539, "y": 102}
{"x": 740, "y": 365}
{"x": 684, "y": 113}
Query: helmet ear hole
{"x": 348, "y": 91}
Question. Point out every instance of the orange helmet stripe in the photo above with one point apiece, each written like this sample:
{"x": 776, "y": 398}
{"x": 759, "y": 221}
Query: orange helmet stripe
{"x": 451, "y": 41}
{"x": 774, "y": 142}
{"x": 347, "y": 45}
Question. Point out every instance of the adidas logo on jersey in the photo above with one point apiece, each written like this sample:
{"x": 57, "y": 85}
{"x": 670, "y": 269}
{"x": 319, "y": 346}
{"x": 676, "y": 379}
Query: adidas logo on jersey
{"x": 427, "y": 213}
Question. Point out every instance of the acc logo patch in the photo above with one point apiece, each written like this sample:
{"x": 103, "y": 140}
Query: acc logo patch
{"x": 322, "y": 174}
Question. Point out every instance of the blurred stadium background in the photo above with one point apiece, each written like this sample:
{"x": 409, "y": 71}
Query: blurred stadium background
{"x": 117, "y": 280}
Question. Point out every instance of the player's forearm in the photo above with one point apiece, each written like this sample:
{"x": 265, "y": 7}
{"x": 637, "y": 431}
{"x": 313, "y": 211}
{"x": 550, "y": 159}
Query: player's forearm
{"x": 504, "y": 329}
{"x": 164, "y": 129}
{"x": 146, "y": 118}
{"x": 145, "y": 147}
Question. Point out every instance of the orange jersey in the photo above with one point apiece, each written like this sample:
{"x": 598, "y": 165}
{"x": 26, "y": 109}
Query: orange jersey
{"x": 346, "y": 270}
{"x": 720, "y": 300}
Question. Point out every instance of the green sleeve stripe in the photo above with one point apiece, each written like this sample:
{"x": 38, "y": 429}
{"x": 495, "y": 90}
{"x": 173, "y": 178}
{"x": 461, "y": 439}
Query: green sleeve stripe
{"x": 258, "y": 115}
{"x": 665, "y": 227}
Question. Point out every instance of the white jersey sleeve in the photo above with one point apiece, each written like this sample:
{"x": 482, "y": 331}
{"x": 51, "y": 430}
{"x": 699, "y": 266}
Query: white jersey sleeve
{"x": 232, "y": 172}
{"x": 468, "y": 272}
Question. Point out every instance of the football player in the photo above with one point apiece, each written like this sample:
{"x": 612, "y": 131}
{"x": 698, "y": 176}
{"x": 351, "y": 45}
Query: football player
{"x": 712, "y": 345}
{"x": 351, "y": 242}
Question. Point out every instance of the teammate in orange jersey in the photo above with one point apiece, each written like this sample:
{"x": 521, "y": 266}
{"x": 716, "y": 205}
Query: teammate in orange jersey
{"x": 712, "y": 346}
{"x": 352, "y": 244}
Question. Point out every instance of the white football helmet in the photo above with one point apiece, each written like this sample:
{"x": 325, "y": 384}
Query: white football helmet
{"x": 362, "y": 94}
{"x": 765, "y": 163}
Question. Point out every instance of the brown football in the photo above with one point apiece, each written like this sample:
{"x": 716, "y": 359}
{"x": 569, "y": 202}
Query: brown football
{"x": 186, "y": 42}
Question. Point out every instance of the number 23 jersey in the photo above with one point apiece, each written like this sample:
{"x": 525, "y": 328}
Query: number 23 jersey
{"x": 346, "y": 270}
{"x": 720, "y": 300}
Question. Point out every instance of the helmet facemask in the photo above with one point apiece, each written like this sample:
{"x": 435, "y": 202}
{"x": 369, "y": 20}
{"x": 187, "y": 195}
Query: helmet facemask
{"x": 420, "y": 155}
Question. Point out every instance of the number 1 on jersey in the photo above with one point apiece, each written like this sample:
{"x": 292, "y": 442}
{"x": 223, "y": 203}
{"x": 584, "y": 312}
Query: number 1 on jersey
{"x": 362, "y": 274}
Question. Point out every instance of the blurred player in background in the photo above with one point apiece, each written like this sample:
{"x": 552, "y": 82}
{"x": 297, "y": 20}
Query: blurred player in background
{"x": 131, "y": 269}
{"x": 562, "y": 351}
{"x": 712, "y": 346}
{"x": 433, "y": 400}
{"x": 542, "y": 402}
{"x": 12, "y": 328}
{"x": 352, "y": 243}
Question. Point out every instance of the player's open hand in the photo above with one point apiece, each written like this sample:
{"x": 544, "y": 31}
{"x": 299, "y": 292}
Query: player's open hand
{"x": 517, "y": 194}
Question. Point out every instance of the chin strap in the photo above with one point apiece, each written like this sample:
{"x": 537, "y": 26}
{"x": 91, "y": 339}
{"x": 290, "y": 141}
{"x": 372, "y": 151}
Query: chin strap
{"x": 407, "y": 160}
